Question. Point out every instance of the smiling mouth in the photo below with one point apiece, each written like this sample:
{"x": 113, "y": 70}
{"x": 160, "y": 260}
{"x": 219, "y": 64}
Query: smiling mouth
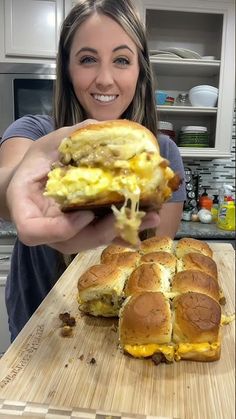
{"x": 104, "y": 98}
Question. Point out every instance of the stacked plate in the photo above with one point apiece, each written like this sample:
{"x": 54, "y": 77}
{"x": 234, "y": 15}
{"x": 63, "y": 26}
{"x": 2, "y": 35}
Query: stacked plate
{"x": 172, "y": 52}
{"x": 193, "y": 136}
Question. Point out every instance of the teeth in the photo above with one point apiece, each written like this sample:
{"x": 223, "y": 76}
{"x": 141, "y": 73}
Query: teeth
{"x": 104, "y": 98}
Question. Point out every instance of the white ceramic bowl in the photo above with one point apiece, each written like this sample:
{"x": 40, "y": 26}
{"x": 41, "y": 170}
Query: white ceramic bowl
{"x": 204, "y": 87}
{"x": 203, "y": 97}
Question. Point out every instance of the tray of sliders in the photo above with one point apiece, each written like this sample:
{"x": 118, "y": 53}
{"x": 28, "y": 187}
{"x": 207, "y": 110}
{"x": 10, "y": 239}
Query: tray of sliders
{"x": 145, "y": 331}
{"x": 167, "y": 298}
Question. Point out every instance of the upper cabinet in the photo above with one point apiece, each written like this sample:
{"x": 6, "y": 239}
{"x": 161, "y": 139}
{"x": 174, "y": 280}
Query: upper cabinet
{"x": 31, "y": 29}
{"x": 206, "y": 29}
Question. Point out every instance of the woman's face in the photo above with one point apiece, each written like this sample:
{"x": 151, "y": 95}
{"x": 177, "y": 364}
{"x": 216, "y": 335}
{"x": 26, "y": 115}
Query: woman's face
{"x": 103, "y": 68}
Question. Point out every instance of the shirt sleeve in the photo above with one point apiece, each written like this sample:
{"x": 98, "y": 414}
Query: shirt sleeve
{"x": 170, "y": 151}
{"x": 29, "y": 126}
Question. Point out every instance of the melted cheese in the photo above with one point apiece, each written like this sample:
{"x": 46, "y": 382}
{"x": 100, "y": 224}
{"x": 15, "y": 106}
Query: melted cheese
{"x": 208, "y": 349}
{"x": 99, "y": 308}
{"x": 172, "y": 352}
{"x": 227, "y": 319}
{"x": 139, "y": 351}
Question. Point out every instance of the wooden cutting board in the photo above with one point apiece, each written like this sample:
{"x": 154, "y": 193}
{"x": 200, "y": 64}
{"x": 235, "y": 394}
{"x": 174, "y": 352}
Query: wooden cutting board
{"x": 89, "y": 371}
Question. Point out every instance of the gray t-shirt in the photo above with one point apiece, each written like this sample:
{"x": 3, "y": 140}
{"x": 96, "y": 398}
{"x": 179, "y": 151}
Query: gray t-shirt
{"x": 34, "y": 270}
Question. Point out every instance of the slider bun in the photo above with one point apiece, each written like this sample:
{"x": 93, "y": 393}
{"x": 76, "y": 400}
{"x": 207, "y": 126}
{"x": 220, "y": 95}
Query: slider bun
{"x": 126, "y": 260}
{"x": 147, "y": 277}
{"x": 197, "y": 281}
{"x": 157, "y": 244}
{"x": 102, "y": 145}
{"x": 166, "y": 259}
{"x": 199, "y": 262}
{"x": 113, "y": 249}
{"x": 100, "y": 280}
{"x": 197, "y": 318}
{"x": 189, "y": 245}
{"x": 145, "y": 318}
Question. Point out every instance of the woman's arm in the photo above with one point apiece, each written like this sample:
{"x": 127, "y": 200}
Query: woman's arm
{"x": 11, "y": 154}
{"x": 170, "y": 217}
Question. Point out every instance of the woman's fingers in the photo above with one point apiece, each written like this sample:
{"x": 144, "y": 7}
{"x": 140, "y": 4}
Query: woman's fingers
{"x": 47, "y": 230}
{"x": 99, "y": 233}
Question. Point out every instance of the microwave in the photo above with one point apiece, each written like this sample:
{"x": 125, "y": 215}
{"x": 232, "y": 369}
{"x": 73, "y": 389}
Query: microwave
{"x": 25, "y": 89}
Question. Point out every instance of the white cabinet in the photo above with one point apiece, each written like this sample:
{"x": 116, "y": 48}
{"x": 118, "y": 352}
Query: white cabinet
{"x": 208, "y": 29}
{"x": 6, "y": 246}
{"x": 31, "y": 28}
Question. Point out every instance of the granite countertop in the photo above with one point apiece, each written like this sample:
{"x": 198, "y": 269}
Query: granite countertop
{"x": 187, "y": 229}
{"x": 200, "y": 231}
{"x": 7, "y": 229}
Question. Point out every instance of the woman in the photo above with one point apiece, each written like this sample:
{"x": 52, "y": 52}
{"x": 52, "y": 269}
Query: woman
{"x": 103, "y": 72}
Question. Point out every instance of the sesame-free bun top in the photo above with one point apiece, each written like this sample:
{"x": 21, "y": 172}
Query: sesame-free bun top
{"x": 189, "y": 245}
{"x": 100, "y": 280}
{"x": 124, "y": 260}
{"x": 197, "y": 318}
{"x": 118, "y": 131}
{"x": 157, "y": 244}
{"x": 199, "y": 262}
{"x": 145, "y": 318}
{"x": 147, "y": 277}
{"x": 113, "y": 249}
{"x": 168, "y": 260}
{"x": 197, "y": 281}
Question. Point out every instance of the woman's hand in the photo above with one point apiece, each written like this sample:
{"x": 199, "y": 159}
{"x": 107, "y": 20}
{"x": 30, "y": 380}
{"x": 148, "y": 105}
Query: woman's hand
{"x": 39, "y": 220}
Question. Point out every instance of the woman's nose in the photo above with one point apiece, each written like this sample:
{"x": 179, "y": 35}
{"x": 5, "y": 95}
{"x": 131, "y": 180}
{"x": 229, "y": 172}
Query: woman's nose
{"x": 104, "y": 77}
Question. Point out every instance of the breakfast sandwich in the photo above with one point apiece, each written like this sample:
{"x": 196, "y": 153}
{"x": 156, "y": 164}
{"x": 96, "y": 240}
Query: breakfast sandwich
{"x": 166, "y": 259}
{"x": 115, "y": 164}
{"x": 196, "y": 327}
{"x": 189, "y": 245}
{"x": 126, "y": 261}
{"x": 196, "y": 281}
{"x": 157, "y": 244}
{"x": 199, "y": 262}
{"x": 100, "y": 290}
{"x": 145, "y": 326}
{"x": 147, "y": 277}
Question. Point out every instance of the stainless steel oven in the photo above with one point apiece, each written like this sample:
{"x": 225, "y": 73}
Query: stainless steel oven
{"x": 25, "y": 89}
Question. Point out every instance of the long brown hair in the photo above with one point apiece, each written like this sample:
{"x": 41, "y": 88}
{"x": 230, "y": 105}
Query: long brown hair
{"x": 67, "y": 109}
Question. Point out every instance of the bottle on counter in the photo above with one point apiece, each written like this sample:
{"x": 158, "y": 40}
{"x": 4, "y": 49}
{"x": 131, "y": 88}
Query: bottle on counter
{"x": 205, "y": 202}
{"x": 215, "y": 208}
{"x": 226, "y": 214}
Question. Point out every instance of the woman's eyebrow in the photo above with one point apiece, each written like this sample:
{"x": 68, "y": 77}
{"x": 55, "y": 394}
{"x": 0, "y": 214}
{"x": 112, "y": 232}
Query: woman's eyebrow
{"x": 88, "y": 49}
{"x": 94, "y": 51}
{"x": 123, "y": 47}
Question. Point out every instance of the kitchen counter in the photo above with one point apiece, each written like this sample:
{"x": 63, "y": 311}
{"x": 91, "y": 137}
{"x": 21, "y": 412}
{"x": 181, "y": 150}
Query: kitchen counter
{"x": 196, "y": 230}
{"x": 7, "y": 229}
{"x": 200, "y": 231}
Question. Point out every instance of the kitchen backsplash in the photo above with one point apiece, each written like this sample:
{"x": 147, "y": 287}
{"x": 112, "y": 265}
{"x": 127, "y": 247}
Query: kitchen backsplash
{"x": 215, "y": 173}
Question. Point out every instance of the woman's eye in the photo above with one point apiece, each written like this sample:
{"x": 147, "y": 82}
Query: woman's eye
{"x": 122, "y": 61}
{"x": 87, "y": 60}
